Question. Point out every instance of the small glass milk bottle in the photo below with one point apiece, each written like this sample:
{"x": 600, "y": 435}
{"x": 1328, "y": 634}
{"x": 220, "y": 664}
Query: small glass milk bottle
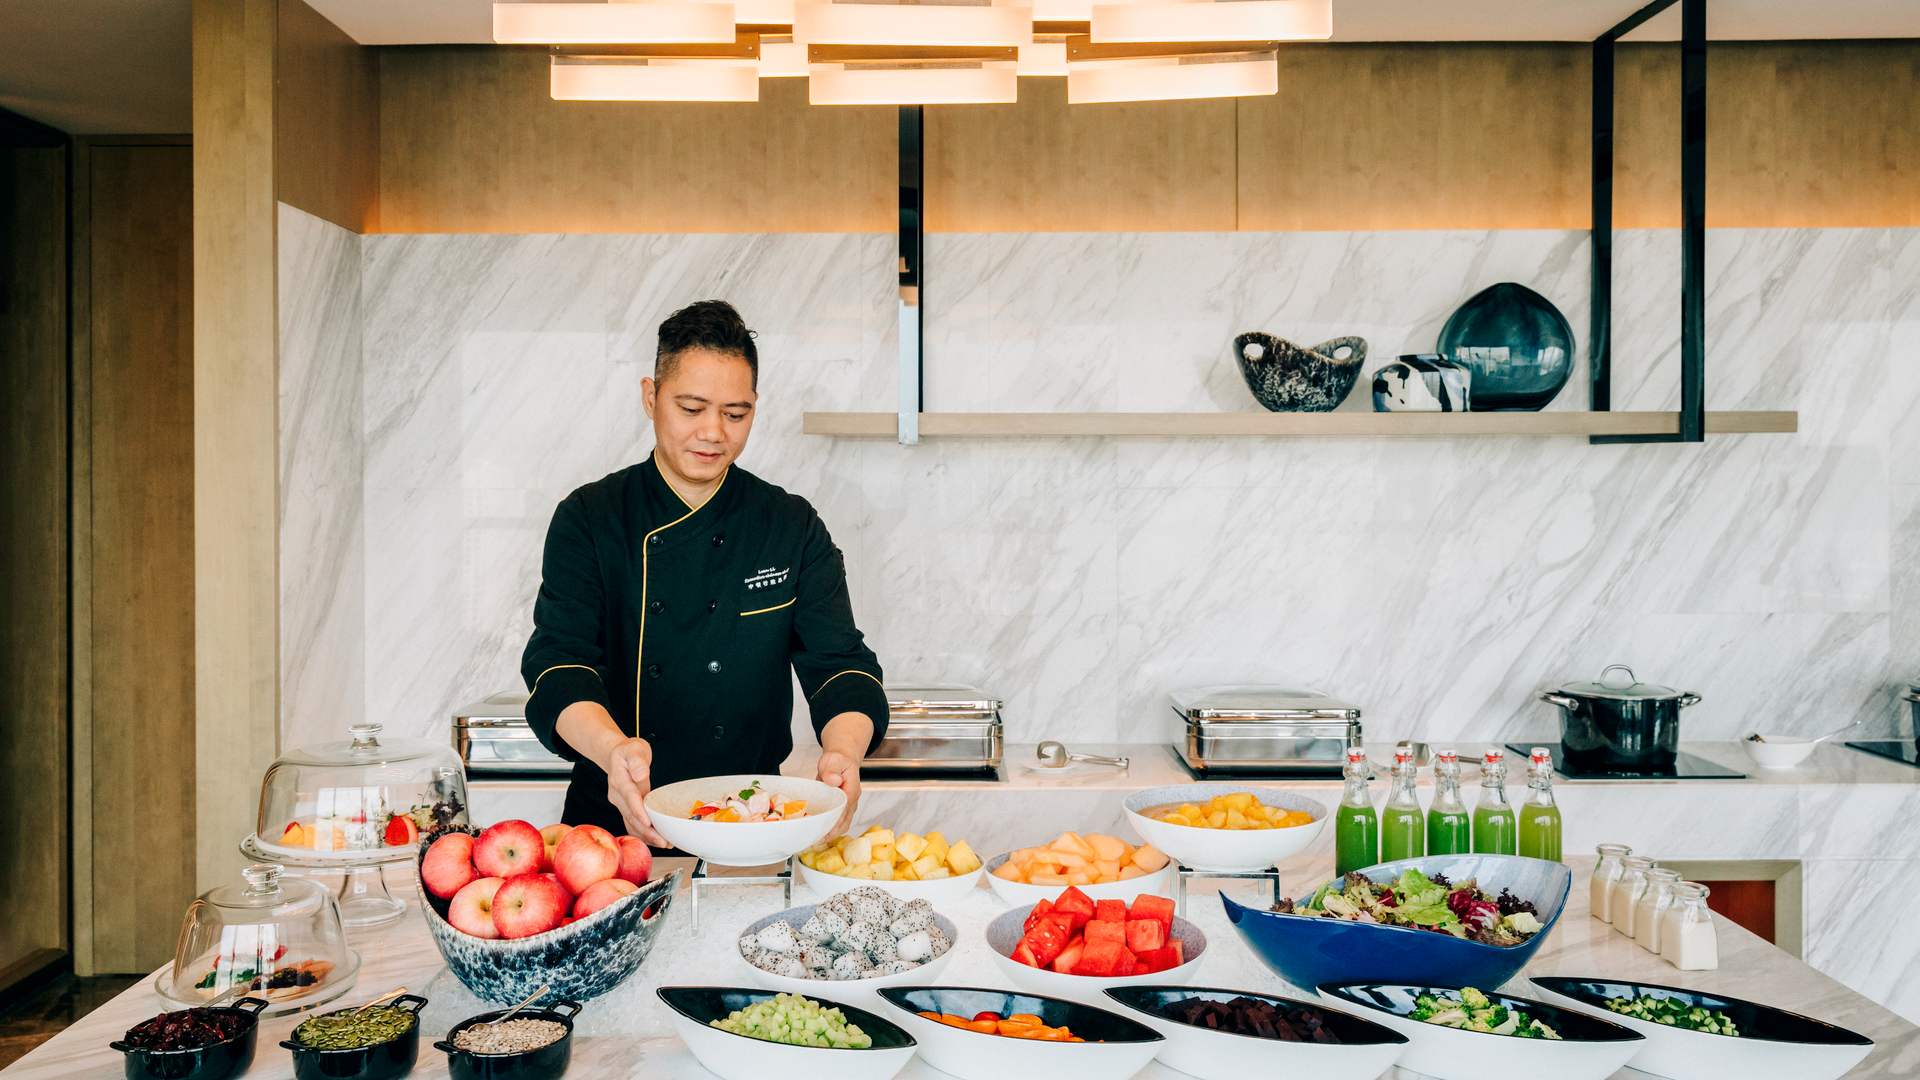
{"x": 1686, "y": 933}
{"x": 1627, "y": 889}
{"x": 1653, "y": 906}
{"x": 1605, "y": 873}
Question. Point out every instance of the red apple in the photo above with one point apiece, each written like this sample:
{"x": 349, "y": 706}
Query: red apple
{"x": 508, "y": 849}
{"x": 472, "y": 909}
{"x": 600, "y": 894}
{"x": 585, "y": 855}
{"x": 550, "y": 836}
{"x": 636, "y": 861}
{"x": 448, "y": 865}
{"x": 529, "y": 904}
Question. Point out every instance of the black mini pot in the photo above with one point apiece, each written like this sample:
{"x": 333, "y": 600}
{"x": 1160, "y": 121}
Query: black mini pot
{"x": 1608, "y": 726}
{"x": 542, "y": 1064}
{"x": 381, "y": 1061}
{"x": 215, "y": 1061}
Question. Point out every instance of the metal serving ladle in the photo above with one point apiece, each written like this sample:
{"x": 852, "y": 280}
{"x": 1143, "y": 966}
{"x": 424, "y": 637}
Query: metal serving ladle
{"x": 1054, "y": 755}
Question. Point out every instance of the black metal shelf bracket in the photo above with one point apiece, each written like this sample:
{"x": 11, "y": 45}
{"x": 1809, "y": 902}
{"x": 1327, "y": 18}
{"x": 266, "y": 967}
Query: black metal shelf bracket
{"x": 1693, "y": 222}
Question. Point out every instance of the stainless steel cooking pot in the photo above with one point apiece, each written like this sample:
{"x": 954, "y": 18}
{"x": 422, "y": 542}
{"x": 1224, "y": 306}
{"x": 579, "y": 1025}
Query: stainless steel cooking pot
{"x": 1613, "y": 724}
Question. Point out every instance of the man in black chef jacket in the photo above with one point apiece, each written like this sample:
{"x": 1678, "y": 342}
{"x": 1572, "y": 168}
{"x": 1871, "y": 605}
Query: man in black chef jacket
{"x": 677, "y": 594}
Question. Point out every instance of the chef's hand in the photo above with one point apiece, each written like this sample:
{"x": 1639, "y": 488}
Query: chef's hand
{"x": 843, "y": 744}
{"x": 629, "y": 778}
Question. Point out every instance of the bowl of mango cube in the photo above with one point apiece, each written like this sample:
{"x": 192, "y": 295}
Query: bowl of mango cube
{"x": 1226, "y": 826}
{"x": 908, "y": 865}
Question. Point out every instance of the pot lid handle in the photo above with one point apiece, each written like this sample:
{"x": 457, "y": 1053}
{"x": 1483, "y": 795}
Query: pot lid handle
{"x": 1610, "y": 669}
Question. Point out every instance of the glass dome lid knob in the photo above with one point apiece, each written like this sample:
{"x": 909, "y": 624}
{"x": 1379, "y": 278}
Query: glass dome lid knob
{"x": 365, "y": 736}
{"x": 263, "y": 879}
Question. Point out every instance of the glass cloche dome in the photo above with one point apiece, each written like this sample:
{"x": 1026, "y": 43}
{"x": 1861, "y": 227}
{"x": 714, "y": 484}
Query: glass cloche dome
{"x": 270, "y": 936}
{"x": 364, "y": 799}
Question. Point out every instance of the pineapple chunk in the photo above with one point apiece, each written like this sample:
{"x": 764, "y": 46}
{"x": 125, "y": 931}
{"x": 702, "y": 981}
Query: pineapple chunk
{"x": 858, "y": 852}
{"x": 864, "y": 872}
{"x": 1239, "y": 800}
{"x": 882, "y": 853}
{"x": 923, "y": 864}
{"x": 879, "y": 836}
{"x": 937, "y": 872}
{"x": 1217, "y": 819}
{"x": 831, "y": 863}
{"x": 911, "y": 846}
{"x": 961, "y": 858}
{"x": 937, "y": 846}
{"x": 1237, "y": 820}
{"x": 882, "y": 871}
{"x": 905, "y": 872}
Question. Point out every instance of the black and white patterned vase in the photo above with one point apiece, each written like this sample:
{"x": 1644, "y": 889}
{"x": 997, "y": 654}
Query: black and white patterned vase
{"x": 1287, "y": 378}
{"x": 1422, "y": 382}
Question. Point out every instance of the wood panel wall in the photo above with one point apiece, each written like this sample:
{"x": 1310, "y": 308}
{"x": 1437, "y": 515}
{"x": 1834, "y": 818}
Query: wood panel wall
{"x": 326, "y": 120}
{"x": 235, "y": 423}
{"x": 1406, "y": 136}
{"x": 34, "y": 716}
{"x": 134, "y": 769}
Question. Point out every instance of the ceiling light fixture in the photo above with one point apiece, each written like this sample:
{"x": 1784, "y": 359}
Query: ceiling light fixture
{"x": 782, "y": 58}
{"x": 765, "y": 15}
{"x": 1173, "y": 78}
{"x": 914, "y": 84}
{"x": 1005, "y": 26}
{"x": 613, "y": 24}
{"x": 1047, "y": 56}
{"x": 1218, "y": 20}
{"x": 586, "y": 78}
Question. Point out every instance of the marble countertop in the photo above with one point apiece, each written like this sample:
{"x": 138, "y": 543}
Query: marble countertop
{"x": 625, "y": 1033}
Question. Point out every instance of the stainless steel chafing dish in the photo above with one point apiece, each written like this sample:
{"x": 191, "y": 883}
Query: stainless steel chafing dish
{"x": 934, "y": 728}
{"x": 1273, "y": 730}
{"x": 492, "y": 736}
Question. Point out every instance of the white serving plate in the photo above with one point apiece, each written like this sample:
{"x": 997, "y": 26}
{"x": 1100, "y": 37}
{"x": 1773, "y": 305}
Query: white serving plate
{"x": 1017, "y": 894}
{"x": 1004, "y": 932}
{"x": 860, "y": 992}
{"x": 740, "y": 1057}
{"x": 744, "y": 843}
{"x": 937, "y": 892}
{"x": 1224, "y": 1055}
{"x": 1446, "y": 1053}
{"x": 1231, "y": 850}
{"x": 973, "y": 1055}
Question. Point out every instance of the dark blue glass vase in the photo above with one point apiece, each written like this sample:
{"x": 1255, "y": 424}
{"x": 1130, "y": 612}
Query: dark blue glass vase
{"x": 1517, "y": 344}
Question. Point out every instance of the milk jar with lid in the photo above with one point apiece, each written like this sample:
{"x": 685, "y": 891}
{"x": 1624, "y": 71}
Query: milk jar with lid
{"x": 1686, "y": 930}
{"x": 1627, "y": 889}
{"x": 1652, "y": 906}
{"x": 1605, "y": 873}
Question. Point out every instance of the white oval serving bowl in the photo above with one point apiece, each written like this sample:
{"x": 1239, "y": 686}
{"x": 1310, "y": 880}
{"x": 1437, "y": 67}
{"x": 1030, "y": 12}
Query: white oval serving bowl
{"x": 742, "y": 1057}
{"x": 1366, "y": 1049}
{"x": 936, "y": 892}
{"x": 860, "y": 992}
{"x": 1020, "y": 894}
{"x": 1589, "y": 1048}
{"x": 1117, "y": 1045}
{"x": 1780, "y": 751}
{"x": 744, "y": 843}
{"x": 1005, "y": 931}
{"x": 1232, "y": 850}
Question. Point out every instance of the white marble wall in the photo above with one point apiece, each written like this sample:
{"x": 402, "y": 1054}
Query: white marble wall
{"x": 323, "y": 574}
{"x": 1437, "y": 583}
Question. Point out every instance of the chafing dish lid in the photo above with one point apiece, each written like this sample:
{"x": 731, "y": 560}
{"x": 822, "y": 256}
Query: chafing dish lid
{"x": 1254, "y": 702}
{"x": 940, "y": 700}
{"x": 508, "y": 706}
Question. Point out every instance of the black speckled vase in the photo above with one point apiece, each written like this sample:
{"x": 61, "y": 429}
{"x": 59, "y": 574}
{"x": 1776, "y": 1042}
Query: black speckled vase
{"x": 1287, "y": 378}
{"x": 1517, "y": 344}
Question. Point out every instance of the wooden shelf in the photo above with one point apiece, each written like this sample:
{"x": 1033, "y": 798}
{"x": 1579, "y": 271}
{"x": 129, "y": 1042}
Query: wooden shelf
{"x": 1041, "y": 424}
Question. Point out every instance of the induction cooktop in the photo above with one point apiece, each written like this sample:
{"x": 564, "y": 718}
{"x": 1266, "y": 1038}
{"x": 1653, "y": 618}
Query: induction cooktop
{"x": 1902, "y": 750}
{"x": 1685, "y": 767}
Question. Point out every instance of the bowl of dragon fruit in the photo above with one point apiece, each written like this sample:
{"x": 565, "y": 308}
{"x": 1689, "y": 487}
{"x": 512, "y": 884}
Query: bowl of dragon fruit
{"x": 1441, "y": 920}
{"x": 858, "y": 940}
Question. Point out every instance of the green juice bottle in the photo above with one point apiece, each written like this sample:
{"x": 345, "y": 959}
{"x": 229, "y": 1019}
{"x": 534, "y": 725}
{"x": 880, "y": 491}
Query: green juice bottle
{"x": 1447, "y": 828}
{"x": 1493, "y": 824}
{"x": 1403, "y": 827}
{"x": 1356, "y": 830}
{"x": 1539, "y": 817}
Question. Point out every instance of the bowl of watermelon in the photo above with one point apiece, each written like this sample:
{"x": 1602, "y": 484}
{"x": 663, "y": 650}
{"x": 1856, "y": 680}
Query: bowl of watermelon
{"x": 1075, "y": 947}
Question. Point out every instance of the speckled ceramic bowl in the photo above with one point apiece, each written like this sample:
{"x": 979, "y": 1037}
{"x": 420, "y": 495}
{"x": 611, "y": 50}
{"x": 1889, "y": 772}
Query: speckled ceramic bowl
{"x": 1232, "y": 850}
{"x": 581, "y": 960}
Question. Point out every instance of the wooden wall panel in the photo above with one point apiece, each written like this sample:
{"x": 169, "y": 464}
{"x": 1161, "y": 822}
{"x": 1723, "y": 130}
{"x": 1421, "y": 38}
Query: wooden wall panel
{"x": 1798, "y": 134}
{"x": 138, "y": 374}
{"x": 1418, "y": 137}
{"x": 1041, "y": 165}
{"x": 471, "y": 141}
{"x": 326, "y": 120}
{"x": 34, "y": 714}
{"x": 235, "y": 419}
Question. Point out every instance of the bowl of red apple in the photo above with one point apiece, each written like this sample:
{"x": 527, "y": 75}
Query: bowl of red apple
{"x": 513, "y": 908}
{"x": 1075, "y": 947}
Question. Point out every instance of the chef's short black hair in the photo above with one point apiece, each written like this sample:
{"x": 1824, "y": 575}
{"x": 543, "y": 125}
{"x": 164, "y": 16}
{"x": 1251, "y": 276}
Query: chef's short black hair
{"x": 705, "y": 324}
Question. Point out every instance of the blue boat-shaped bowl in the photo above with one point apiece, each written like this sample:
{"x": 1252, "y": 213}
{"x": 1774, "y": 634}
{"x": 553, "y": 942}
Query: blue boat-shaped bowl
{"x": 1307, "y": 950}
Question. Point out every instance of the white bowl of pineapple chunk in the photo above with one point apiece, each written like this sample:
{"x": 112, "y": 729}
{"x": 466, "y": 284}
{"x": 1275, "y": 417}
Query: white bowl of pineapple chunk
{"x": 1225, "y": 826}
{"x": 908, "y": 865}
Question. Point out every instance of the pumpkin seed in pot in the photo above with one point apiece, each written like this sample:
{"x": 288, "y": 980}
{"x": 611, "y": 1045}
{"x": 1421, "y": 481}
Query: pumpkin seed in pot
{"x": 352, "y": 1030}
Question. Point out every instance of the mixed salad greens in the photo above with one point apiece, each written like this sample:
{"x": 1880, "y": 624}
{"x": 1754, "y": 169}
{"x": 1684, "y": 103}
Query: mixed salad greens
{"x": 1426, "y": 903}
{"x": 1474, "y": 1011}
{"x": 1659, "y": 1010}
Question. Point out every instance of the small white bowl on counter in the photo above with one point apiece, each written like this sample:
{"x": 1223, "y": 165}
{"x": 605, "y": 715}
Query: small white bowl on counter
{"x": 744, "y": 843}
{"x": 859, "y": 991}
{"x": 1005, "y": 931}
{"x": 937, "y": 891}
{"x": 692, "y": 1009}
{"x": 1589, "y": 1048}
{"x": 1116, "y": 1047}
{"x": 1780, "y": 751}
{"x": 1230, "y": 850}
{"x": 1019, "y": 894}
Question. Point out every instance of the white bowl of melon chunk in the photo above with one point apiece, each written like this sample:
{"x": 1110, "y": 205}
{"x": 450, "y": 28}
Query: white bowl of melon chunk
{"x": 1103, "y": 867}
{"x": 904, "y": 864}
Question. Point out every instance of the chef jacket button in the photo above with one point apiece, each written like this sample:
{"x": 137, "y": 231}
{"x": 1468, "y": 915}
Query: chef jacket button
{"x": 719, "y": 732}
{"x": 713, "y": 605}
{"x": 654, "y": 539}
{"x": 653, "y": 671}
{"x": 713, "y": 666}
{"x": 718, "y": 540}
{"x": 653, "y": 606}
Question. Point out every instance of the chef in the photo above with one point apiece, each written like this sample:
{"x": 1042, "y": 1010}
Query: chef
{"x": 680, "y": 596}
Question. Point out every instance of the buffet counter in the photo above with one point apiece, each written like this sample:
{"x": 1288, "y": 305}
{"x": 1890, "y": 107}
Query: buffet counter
{"x": 625, "y": 1033}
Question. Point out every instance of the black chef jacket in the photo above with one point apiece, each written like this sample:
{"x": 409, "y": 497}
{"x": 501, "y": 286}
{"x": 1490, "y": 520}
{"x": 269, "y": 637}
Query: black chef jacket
{"x": 684, "y": 622}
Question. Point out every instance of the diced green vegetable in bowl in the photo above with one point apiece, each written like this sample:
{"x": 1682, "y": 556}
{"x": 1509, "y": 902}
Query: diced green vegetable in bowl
{"x": 1673, "y": 1013}
{"x": 1473, "y": 1011}
{"x": 796, "y": 1021}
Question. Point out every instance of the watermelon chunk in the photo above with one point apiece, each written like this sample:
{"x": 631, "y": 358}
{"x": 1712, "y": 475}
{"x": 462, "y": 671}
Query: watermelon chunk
{"x": 1127, "y": 964}
{"x": 1033, "y": 916}
{"x": 1100, "y": 959}
{"x": 1069, "y": 957}
{"x": 1152, "y": 907}
{"x": 1064, "y": 921}
{"x": 1044, "y": 941}
{"x": 1107, "y": 931}
{"x": 1110, "y": 911}
{"x": 1144, "y": 935}
{"x": 1075, "y": 903}
{"x": 1024, "y": 955}
{"x": 1162, "y": 959}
